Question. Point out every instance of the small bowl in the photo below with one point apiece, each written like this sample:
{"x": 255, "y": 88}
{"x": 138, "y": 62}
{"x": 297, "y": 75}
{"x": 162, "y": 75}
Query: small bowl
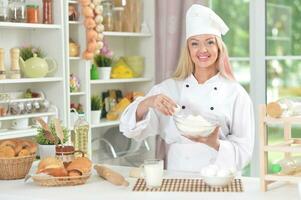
{"x": 218, "y": 181}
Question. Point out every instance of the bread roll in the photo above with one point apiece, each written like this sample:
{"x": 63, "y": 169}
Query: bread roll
{"x": 24, "y": 152}
{"x": 74, "y": 173}
{"x": 6, "y": 152}
{"x": 49, "y": 163}
{"x": 57, "y": 172}
{"x": 81, "y": 164}
{"x": 30, "y": 146}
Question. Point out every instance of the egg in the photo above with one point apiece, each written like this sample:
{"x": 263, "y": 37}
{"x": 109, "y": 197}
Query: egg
{"x": 210, "y": 170}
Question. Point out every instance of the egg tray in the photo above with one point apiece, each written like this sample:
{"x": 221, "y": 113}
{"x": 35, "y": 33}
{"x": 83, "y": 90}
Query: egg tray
{"x": 60, "y": 181}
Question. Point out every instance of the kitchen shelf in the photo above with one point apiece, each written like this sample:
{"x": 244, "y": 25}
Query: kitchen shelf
{"x": 77, "y": 93}
{"x": 130, "y": 80}
{"x": 29, "y": 25}
{"x": 294, "y": 179}
{"x": 74, "y": 58}
{"x": 293, "y": 119}
{"x": 9, "y": 134}
{"x": 31, "y": 80}
{"x": 23, "y": 100}
{"x": 10, "y": 117}
{"x": 127, "y": 34}
{"x": 105, "y": 123}
{"x": 74, "y": 22}
{"x": 145, "y": 32}
{"x": 288, "y": 146}
{"x": 73, "y": 2}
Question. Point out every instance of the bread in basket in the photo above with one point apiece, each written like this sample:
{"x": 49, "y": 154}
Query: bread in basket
{"x": 16, "y": 158}
{"x": 52, "y": 172}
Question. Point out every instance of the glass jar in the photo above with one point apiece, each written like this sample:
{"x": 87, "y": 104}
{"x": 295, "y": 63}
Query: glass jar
{"x": 16, "y": 11}
{"x": 3, "y": 11}
{"x": 81, "y": 132}
{"x": 47, "y": 12}
{"x": 118, "y": 15}
{"x": 32, "y": 12}
{"x": 108, "y": 15}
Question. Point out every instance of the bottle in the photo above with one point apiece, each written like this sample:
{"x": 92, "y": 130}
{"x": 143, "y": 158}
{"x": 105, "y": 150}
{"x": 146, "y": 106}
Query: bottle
{"x": 118, "y": 16}
{"x": 3, "y": 10}
{"x": 32, "y": 12}
{"x": 15, "y": 68}
{"x": 108, "y": 21}
{"x": 81, "y": 132}
{"x": 286, "y": 107}
{"x": 2, "y": 67}
{"x": 47, "y": 12}
{"x": 94, "y": 72}
{"x": 287, "y": 166}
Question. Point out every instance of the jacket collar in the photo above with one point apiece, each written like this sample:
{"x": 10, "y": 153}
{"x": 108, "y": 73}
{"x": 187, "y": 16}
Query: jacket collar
{"x": 192, "y": 80}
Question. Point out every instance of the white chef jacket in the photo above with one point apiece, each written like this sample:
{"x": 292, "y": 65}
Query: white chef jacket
{"x": 218, "y": 100}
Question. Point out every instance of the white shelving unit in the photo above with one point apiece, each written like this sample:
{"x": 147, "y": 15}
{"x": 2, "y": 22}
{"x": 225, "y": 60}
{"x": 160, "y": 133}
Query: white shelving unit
{"x": 127, "y": 44}
{"x": 50, "y": 38}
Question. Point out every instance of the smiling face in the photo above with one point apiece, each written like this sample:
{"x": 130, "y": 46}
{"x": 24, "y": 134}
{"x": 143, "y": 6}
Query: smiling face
{"x": 203, "y": 51}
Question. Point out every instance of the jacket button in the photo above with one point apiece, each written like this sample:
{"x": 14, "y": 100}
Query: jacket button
{"x": 187, "y": 85}
{"x": 183, "y": 107}
{"x": 215, "y": 88}
{"x": 211, "y": 108}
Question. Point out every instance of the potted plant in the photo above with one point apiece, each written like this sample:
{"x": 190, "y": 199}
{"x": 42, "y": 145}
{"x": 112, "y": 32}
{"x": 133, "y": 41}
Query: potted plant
{"x": 96, "y": 106}
{"x": 48, "y": 137}
{"x": 103, "y": 61}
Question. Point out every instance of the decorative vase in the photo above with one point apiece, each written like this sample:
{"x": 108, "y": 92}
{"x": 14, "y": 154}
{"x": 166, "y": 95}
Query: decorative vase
{"x": 94, "y": 73}
{"x": 95, "y": 116}
{"x": 46, "y": 151}
{"x": 104, "y": 73}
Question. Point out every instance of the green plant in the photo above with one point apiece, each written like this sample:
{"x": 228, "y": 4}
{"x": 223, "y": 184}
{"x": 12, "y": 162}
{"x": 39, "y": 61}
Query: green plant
{"x": 96, "y": 103}
{"x": 27, "y": 52}
{"x": 102, "y": 61}
{"x": 42, "y": 139}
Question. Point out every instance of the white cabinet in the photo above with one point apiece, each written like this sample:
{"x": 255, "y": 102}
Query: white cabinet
{"x": 50, "y": 38}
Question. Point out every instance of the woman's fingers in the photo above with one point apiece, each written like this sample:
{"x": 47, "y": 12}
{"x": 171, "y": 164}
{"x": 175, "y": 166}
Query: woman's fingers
{"x": 164, "y": 104}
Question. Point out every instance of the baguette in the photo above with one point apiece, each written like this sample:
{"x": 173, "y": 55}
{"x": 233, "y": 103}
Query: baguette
{"x": 110, "y": 175}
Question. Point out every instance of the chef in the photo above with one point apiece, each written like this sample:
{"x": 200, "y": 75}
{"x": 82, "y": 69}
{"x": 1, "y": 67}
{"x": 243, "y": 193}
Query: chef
{"x": 203, "y": 84}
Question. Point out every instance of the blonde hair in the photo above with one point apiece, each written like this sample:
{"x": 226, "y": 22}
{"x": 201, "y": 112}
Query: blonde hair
{"x": 186, "y": 66}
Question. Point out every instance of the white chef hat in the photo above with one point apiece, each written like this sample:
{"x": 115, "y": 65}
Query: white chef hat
{"x": 203, "y": 20}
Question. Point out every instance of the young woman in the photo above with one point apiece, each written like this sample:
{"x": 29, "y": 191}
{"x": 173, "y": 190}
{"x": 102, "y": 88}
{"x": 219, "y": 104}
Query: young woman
{"x": 203, "y": 84}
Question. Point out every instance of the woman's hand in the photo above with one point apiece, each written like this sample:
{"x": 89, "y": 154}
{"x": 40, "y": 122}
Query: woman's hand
{"x": 211, "y": 140}
{"x": 159, "y": 102}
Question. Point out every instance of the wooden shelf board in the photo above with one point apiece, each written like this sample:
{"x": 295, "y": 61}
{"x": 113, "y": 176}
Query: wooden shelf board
{"x": 296, "y": 119}
{"x": 292, "y": 149}
{"x": 74, "y": 22}
{"x": 295, "y": 179}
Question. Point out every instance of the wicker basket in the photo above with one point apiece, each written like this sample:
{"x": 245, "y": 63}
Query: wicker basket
{"x": 60, "y": 181}
{"x": 15, "y": 168}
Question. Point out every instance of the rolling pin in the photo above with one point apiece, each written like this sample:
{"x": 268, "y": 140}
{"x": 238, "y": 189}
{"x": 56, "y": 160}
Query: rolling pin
{"x": 110, "y": 175}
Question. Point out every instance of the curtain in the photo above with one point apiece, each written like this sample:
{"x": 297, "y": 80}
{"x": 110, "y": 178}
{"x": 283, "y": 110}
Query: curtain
{"x": 170, "y": 34}
{"x": 169, "y": 38}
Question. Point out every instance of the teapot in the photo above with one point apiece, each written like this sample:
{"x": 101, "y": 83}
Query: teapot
{"x": 36, "y": 67}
